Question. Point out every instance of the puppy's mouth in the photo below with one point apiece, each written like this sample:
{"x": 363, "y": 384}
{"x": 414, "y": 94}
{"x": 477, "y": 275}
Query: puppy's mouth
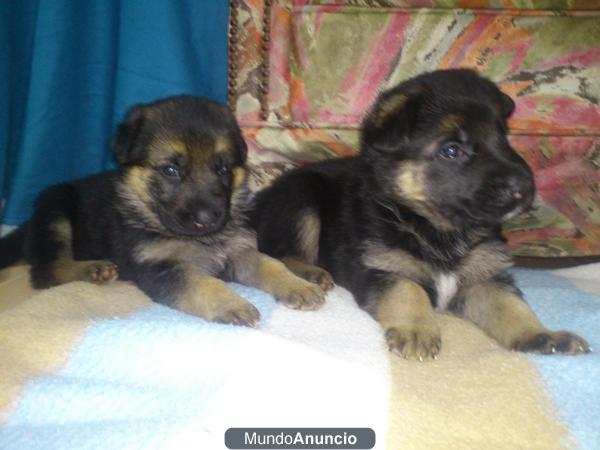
{"x": 194, "y": 226}
{"x": 203, "y": 229}
{"x": 516, "y": 203}
{"x": 492, "y": 209}
{"x": 517, "y": 211}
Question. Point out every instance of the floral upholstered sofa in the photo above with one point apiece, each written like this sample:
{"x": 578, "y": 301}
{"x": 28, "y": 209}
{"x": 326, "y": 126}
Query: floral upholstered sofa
{"x": 303, "y": 73}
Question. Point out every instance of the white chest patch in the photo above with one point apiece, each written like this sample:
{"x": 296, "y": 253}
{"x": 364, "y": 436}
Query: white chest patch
{"x": 446, "y": 285}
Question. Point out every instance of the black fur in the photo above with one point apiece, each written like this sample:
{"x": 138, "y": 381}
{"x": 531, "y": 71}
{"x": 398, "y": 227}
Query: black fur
{"x": 11, "y": 247}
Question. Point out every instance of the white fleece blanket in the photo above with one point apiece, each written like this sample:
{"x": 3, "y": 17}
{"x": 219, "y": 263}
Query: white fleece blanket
{"x": 88, "y": 367}
{"x": 146, "y": 376}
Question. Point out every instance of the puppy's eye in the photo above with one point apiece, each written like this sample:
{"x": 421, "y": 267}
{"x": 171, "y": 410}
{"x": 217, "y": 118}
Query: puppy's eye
{"x": 222, "y": 168}
{"x": 452, "y": 150}
{"x": 170, "y": 171}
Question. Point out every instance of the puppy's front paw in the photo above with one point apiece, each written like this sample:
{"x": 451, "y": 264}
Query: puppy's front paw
{"x": 552, "y": 342}
{"x": 240, "y": 313}
{"x": 297, "y": 293}
{"x": 416, "y": 341}
{"x": 319, "y": 276}
{"x": 213, "y": 300}
{"x": 101, "y": 272}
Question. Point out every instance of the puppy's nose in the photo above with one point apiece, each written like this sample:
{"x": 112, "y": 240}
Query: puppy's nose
{"x": 516, "y": 189}
{"x": 521, "y": 188}
{"x": 207, "y": 217}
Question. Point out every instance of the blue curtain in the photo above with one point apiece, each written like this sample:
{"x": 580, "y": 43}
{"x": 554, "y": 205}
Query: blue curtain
{"x": 69, "y": 69}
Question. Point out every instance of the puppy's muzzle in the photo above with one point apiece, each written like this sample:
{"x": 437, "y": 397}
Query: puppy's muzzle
{"x": 209, "y": 211}
{"x": 517, "y": 193}
{"x": 521, "y": 189}
{"x": 209, "y": 217}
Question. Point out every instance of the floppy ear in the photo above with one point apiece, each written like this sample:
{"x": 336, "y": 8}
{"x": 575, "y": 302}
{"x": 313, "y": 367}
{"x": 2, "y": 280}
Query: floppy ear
{"x": 124, "y": 142}
{"x": 507, "y": 105}
{"x": 387, "y": 128}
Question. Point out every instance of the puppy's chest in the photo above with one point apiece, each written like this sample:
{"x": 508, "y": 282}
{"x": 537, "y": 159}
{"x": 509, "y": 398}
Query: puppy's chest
{"x": 209, "y": 260}
{"x": 446, "y": 286}
{"x": 478, "y": 265}
{"x": 209, "y": 257}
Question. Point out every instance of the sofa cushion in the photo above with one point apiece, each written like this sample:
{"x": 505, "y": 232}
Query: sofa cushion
{"x": 303, "y": 74}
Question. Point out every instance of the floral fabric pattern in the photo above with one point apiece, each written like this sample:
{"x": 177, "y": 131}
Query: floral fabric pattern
{"x": 304, "y": 82}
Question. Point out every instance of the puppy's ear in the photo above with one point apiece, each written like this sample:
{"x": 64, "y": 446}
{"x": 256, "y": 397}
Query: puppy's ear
{"x": 387, "y": 128}
{"x": 242, "y": 148}
{"x": 506, "y": 106}
{"x": 233, "y": 130}
{"x": 124, "y": 142}
{"x": 237, "y": 137}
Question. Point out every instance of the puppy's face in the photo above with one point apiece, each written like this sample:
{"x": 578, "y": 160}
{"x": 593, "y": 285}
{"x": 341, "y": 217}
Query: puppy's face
{"x": 438, "y": 144}
{"x": 183, "y": 159}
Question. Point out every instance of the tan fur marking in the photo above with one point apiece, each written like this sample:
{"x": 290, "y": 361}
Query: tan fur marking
{"x": 451, "y": 122}
{"x": 222, "y": 144}
{"x": 380, "y": 257}
{"x": 164, "y": 145}
{"x": 207, "y": 259}
{"x": 410, "y": 181}
{"x": 388, "y": 107}
{"x": 137, "y": 180}
{"x": 211, "y": 299}
{"x": 308, "y": 232}
{"x": 500, "y": 313}
{"x": 309, "y": 272}
{"x": 239, "y": 177}
{"x": 252, "y": 268}
{"x": 296, "y": 265}
{"x": 63, "y": 232}
{"x": 405, "y": 302}
{"x": 404, "y": 311}
{"x": 66, "y": 269}
{"x": 178, "y": 147}
{"x": 484, "y": 262}
{"x": 480, "y": 264}
{"x": 161, "y": 251}
{"x": 133, "y": 190}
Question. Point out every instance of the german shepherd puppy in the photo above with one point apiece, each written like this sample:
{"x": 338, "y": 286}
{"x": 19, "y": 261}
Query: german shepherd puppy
{"x": 171, "y": 218}
{"x": 412, "y": 224}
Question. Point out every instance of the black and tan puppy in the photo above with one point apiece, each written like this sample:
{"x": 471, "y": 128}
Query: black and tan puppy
{"x": 171, "y": 218}
{"x": 412, "y": 224}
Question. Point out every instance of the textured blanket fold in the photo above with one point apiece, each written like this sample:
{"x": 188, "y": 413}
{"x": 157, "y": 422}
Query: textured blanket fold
{"x": 102, "y": 367}
{"x": 84, "y": 367}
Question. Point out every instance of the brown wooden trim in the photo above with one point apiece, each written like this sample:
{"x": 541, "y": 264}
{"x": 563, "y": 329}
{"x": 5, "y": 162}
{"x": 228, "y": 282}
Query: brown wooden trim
{"x": 538, "y": 262}
{"x": 233, "y": 39}
{"x": 264, "y": 66}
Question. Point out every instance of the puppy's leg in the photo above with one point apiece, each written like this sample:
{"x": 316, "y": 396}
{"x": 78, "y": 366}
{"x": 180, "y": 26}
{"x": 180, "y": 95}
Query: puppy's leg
{"x": 505, "y": 316}
{"x": 255, "y": 269}
{"x": 172, "y": 284}
{"x": 306, "y": 245}
{"x": 291, "y": 232}
{"x": 50, "y": 252}
{"x": 405, "y": 313}
{"x": 309, "y": 272}
{"x": 212, "y": 299}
